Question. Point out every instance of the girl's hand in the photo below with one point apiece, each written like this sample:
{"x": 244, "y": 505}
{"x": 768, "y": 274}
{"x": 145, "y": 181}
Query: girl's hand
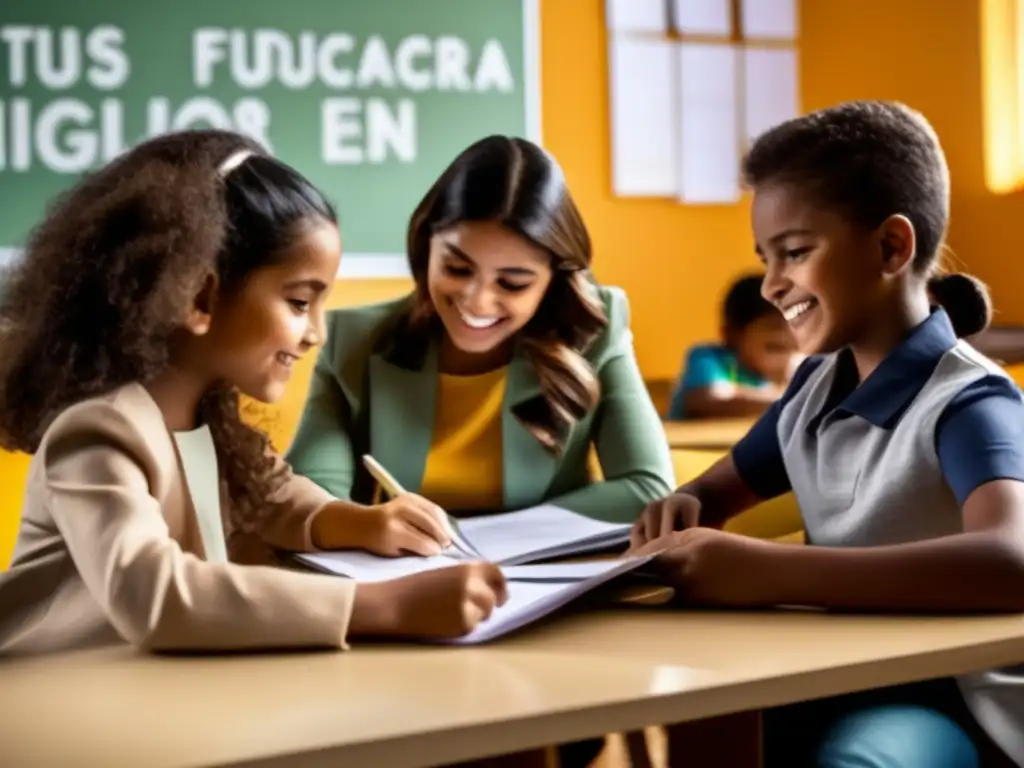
{"x": 710, "y": 567}
{"x": 442, "y": 603}
{"x": 660, "y": 518}
{"x": 406, "y": 524}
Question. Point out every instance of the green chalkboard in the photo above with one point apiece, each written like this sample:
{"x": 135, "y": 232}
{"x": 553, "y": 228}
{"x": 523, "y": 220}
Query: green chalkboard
{"x": 369, "y": 98}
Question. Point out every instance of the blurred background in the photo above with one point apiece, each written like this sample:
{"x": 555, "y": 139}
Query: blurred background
{"x": 647, "y": 105}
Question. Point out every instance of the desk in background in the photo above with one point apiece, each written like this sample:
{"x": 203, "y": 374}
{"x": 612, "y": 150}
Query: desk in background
{"x": 699, "y": 435}
{"x": 408, "y": 706}
{"x": 1005, "y": 343}
{"x": 706, "y": 434}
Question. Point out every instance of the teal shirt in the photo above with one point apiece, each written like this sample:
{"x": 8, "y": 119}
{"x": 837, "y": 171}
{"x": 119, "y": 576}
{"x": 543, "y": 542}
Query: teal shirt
{"x": 705, "y": 366}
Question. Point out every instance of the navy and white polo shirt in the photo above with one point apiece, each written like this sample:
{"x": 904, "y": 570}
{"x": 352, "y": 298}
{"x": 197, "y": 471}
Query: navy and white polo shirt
{"x": 892, "y": 461}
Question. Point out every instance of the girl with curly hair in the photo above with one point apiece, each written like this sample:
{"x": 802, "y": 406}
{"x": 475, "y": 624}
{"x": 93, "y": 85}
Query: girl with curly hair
{"x": 190, "y": 270}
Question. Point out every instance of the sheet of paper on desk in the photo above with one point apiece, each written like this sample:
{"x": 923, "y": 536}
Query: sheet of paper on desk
{"x": 362, "y": 566}
{"x": 367, "y": 567}
{"x": 530, "y": 601}
{"x": 534, "y": 591}
{"x": 587, "y": 569}
{"x": 540, "y": 533}
{"x": 507, "y": 538}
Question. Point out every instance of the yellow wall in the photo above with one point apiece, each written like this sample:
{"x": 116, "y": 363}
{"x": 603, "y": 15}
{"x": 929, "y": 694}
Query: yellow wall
{"x": 926, "y": 53}
{"x": 673, "y": 260}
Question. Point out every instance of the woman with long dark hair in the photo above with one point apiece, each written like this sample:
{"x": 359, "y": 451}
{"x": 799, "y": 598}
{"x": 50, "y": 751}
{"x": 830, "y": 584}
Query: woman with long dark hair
{"x": 487, "y": 386}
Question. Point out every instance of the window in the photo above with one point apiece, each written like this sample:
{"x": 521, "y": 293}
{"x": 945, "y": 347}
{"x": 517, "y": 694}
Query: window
{"x": 691, "y": 83}
{"x": 1002, "y": 31}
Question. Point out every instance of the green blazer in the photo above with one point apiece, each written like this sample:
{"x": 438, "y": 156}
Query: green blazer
{"x": 362, "y": 400}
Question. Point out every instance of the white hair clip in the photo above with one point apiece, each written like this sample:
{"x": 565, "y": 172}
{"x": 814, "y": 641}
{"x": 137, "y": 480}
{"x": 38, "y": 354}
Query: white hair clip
{"x": 234, "y": 160}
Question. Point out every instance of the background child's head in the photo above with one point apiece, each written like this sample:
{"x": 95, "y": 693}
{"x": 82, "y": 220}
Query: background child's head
{"x": 195, "y": 254}
{"x": 850, "y": 211}
{"x": 755, "y": 330}
{"x": 499, "y": 252}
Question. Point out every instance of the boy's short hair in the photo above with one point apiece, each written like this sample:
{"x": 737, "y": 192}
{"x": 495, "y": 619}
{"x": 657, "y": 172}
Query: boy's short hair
{"x": 871, "y": 160}
{"x": 744, "y": 304}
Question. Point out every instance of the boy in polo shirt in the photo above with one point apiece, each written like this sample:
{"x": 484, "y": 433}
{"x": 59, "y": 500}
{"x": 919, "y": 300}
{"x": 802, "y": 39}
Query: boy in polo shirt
{"x": 904, "y": 446}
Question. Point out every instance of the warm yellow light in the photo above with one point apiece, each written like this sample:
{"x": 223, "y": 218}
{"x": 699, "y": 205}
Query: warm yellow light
{"x": 1002, "y": 67}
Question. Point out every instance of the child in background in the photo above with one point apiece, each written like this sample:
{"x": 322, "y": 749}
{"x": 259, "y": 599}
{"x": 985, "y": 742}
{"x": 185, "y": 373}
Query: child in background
{"x": 189, "y": 270}
{"x": 903, "y": 445}
{"x": 747, "y": 373}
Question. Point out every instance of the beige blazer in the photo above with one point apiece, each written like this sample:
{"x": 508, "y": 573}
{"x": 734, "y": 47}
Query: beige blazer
{"x": 109, "y": 549}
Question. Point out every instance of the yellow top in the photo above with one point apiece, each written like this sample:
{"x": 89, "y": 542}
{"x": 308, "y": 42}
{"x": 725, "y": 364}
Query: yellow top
{"x": 464, "y": 468}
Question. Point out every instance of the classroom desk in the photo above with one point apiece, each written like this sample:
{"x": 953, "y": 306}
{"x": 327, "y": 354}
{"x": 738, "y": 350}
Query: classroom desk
{"x": 581, "y": 675}
{"x": 706, "y": 435}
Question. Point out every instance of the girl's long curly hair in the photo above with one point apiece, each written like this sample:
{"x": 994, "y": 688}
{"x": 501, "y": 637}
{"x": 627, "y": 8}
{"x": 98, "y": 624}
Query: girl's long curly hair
{"x": 100, "y": 293}
{"x": 517, "y": 184}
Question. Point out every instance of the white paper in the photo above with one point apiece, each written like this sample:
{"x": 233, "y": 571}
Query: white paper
{"x": 364, "y": 567}
{"x": 709, "y": 134}
{"x": 510, "y": 536}
{"x": 636, "y": 16}
{"x": 367, "y": 567}
{"x": 533, "y": 590}
{"x": 529, "y": 601}
{"x": 769, "y": 19}
{"x": 505, "y": 538}
{"x": 770, "y": 89}
{"x": 642, "y": 98}
{"x": 703, "y": 17}
{"x": 557, "y": 571}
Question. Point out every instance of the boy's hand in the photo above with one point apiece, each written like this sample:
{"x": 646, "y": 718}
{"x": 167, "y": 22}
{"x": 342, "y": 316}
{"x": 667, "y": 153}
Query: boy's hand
{"x": 710, "y": 567}
{"x": 660, "y": 518}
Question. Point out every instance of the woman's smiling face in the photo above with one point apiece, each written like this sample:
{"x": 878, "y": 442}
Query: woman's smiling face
{"x": 486, "y": 282}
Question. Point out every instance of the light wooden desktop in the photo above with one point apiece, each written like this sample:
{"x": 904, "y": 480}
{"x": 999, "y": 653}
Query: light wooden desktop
{"x": 706, "y": 434}
{"x": 576, "y": 676}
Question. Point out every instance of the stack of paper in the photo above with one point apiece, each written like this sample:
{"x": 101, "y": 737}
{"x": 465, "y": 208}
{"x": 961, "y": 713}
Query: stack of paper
{"x": 537, "y": 533}
{"x": 512, "y": 540}
{"x": 534, "y": 591}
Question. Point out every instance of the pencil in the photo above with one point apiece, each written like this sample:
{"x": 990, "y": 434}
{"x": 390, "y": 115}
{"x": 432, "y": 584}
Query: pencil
{"x": 393, "y": 488}
{"x": 387, "y": 481}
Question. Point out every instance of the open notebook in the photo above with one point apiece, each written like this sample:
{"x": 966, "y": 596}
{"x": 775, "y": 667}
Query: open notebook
{"x": 507, "y": 538}
{"x": 513, "y": 540}
{"x": 538, "y": 533}
{"x": 534, "y": 591}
